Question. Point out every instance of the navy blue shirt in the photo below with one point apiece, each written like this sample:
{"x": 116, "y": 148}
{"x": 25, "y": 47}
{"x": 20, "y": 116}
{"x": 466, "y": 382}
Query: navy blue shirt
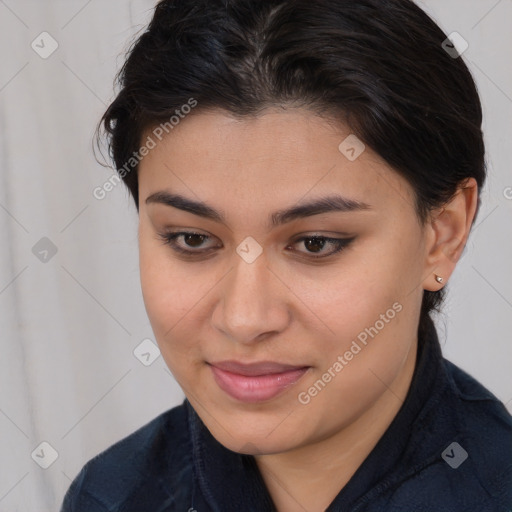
{"x": 449, "y": 449}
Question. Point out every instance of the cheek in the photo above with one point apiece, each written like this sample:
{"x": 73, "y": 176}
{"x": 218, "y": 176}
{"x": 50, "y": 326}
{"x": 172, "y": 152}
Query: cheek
{"x": 168, "y": 296}
{"x": 159, "y": 287}
{"x": 366, "y": 347}
{"x": 343, "y": 300}
{"x": 175, "y": 294}
{"x": 166, "y": 307}
{"x": 358, "y": 318}
{"x": 368, "y": 312}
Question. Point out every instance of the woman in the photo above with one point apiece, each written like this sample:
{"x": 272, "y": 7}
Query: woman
{"x": 306, "y": 175}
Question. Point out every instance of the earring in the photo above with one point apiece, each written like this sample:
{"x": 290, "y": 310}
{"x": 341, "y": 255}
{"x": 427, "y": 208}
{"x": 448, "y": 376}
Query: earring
{"x": 439, "y": 279}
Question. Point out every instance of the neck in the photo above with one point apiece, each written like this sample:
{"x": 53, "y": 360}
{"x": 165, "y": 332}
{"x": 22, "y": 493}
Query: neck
{"x": 310, "y": 477}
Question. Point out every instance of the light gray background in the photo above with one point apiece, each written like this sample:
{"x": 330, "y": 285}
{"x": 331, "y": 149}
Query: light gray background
{"x": 69, "y": 326}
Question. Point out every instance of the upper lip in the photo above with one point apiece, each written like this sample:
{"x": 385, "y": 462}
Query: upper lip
{"x": 255, "y": 369}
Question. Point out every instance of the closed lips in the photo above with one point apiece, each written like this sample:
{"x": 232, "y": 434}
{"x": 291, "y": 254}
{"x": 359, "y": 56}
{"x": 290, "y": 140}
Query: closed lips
{"x": 255, "y": 382}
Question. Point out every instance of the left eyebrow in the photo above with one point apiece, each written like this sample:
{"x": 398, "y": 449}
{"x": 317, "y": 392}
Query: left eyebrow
{"x": 328, "y": 204}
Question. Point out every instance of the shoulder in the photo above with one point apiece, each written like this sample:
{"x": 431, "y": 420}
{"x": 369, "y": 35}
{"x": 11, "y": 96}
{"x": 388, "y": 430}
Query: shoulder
{"x": 485, "y": 423}
{"x": 471, "y": 468}
{"x": 482, "y": 417}
{"x": 135, "y": 466}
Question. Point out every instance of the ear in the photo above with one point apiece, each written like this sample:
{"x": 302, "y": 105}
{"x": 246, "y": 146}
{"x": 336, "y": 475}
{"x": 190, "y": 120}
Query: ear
{"x": 447, "y": 231}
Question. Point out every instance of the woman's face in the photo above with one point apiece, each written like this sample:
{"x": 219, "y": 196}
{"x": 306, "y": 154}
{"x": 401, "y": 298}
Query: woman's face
{"x": 295, "y": 306}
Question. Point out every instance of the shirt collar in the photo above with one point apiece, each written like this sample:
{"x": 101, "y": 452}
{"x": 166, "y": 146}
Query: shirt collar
{"x": 232, "y": 481}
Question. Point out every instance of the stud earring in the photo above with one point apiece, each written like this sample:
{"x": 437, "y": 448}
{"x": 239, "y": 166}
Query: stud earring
{"x": 439, "y": 279}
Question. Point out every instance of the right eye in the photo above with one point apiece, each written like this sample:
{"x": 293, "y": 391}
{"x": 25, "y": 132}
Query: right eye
{"x": 184, "y": 242}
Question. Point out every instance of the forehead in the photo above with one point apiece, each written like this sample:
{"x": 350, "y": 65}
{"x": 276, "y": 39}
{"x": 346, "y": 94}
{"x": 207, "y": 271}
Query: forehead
{"x": 280, "y": 155}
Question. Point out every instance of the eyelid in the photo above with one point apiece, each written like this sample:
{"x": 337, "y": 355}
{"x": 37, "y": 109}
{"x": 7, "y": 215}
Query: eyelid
{"x": 169, "y": 237}
{"x": 340, "y": 243}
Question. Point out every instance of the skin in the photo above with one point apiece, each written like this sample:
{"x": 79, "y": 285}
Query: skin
{"x": 286, "y": 306}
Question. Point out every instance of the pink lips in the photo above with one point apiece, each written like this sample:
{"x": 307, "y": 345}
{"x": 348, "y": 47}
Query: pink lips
{"x": 255, "y": 382}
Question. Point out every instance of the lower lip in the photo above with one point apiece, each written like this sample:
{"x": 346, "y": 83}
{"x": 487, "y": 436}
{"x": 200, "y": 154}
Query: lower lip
{"x": 256, "y": 388}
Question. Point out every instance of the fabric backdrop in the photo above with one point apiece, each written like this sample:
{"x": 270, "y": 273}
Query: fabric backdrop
{"x": 71, "y": 310}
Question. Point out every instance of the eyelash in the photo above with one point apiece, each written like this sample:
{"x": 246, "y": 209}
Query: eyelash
{"x": 169, "y": 238}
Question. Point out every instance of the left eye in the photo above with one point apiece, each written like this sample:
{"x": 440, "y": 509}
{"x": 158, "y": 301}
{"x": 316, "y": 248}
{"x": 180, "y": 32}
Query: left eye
{"x": 315, "y": 245}
{"x": 193, "y": 244}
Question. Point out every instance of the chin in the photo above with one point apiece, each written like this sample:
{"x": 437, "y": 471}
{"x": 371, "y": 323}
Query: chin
{"x": 252, "y": 445}
{"x": 253, "y": 434}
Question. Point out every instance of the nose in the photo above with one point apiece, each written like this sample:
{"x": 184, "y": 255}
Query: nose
{"x": 252, "y": 304}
